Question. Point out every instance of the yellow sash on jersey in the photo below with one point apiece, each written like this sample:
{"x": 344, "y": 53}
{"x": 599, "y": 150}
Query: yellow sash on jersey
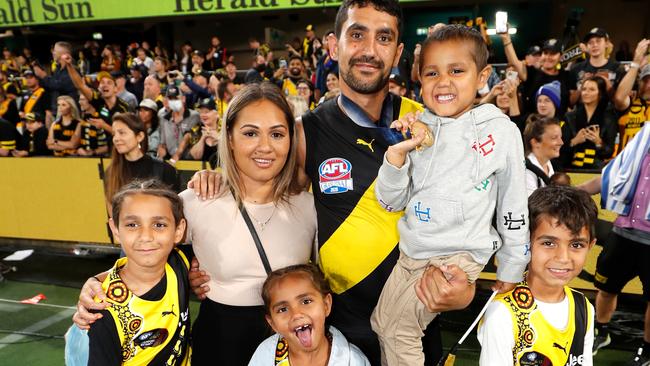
{"x": 36, "y": 95}
{"x": 289, "y": 88}
{"x": 133, "y": 316}
{"x": 4, "y": 106}
{"x": 364, "y": 239}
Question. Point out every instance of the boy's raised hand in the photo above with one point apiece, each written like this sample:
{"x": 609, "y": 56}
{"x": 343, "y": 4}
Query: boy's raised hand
{"x": 503, "y": 287}
{"x": 396, "y": 154}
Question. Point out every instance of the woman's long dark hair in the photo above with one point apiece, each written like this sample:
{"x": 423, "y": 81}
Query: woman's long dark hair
{"x": 116, "y": 174}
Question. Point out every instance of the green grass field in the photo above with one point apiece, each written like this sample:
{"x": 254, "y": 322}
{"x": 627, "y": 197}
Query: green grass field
{"x": 33, "y": 334}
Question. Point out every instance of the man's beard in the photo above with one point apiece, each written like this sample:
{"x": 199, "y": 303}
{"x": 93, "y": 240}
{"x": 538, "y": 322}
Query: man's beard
{"x": 362, "y": 87}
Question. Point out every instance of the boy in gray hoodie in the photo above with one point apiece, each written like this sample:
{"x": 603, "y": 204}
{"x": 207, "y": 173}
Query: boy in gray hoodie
{"x": 450, "y": 191}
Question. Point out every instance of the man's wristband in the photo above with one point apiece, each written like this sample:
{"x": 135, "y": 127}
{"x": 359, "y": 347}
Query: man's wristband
{"x": 507, "y": 44}
{"x": 634, "y": 65}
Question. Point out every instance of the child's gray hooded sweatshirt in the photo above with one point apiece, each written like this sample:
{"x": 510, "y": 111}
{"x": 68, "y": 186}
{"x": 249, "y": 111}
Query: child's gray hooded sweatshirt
{"x": 450, "y": 192}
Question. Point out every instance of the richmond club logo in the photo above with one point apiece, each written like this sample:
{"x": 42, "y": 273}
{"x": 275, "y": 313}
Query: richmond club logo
{"x": 335, "y": 176}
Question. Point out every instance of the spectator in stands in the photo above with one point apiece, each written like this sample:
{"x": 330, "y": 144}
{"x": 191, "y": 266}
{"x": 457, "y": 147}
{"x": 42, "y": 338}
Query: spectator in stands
{"x": 217, "y": 55}
{"x": 306, "y": 92}
{"x": 185, "y": 58}
{"x": 147, "y": 49}
{"x": 205, "y": 137}
{"x": 198, "y": 62}
{"x": 8, "y": 107}
{"x": 542, "y": 143}
{"x": 597, "y": 62}
{"x": 135, "y": 84}
{"x": 160, "y": 67}
{"x": 110, "y": 62}
{"x": 548, "y": 100}
{"x": 65, "y": 132}
{"x": 34, "y": 139}
{"x": 504, "y": 95}
{"x": 173, "y": 124}
{"x": 122, "y": 93}
{"x": 308, "y": 43}
{"x": 8, "y": 137}
{"x": 262, "y": 49}
{"x": 143, "y": 59}
{"x": 129, "y": 160}
{"x": 195, "y": 88}
{"x": 231, "y": 73}
{"x": 549, "y": 71}
{"x": 397, "y": 85}
{"x": 104, "y": 99}
{"x": 148, "y": 114}
{"x": 634, "y": 105}
{"x": 332, "y": 85}
{"x": 533, "y": 57}
{"x": 589, "y": 133}
{"x": 153, "y": 91}
{"x": 325, "y": 65}
{"x": 287, "y": 78}
{"x": 259, "y": 71}
{"x": 225, "y": 92}
{"x": 94, "y": 141}
{"x": 9, "y": 61}
{"x": 37, "y": 100}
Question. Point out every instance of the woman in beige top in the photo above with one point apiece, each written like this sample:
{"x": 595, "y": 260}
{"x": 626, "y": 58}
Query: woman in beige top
{"x": 258, "y": 160}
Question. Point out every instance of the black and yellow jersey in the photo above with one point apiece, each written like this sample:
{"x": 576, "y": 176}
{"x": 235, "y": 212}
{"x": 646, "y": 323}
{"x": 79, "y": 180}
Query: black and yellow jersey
{"x": 630, "y": 123}
{"x": 152, "y": 329}
{"x": 357, "y": 237}
{"x": 536, "y": 339}
{"x": 106, "y": 113}
{"x": 92, "y": 137}
{"x": 60, "y": 132}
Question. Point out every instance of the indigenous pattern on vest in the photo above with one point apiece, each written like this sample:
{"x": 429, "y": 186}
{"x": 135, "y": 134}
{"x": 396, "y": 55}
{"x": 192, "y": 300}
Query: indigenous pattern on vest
{"x": 152, "y": 332}
{"x": 537, "y": 342}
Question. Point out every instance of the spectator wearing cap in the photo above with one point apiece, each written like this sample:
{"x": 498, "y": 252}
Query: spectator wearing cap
{"x": 60, "y": 82}
{"x": 110, "y": 62}
{"x": 37, "y": 100}
{"x": 598, "y": 63}
{"x": 135, "y": 83}
{"x": 533, "y": 56}
{"x": 589, "y": 131}
{"x": 34, "y": 140}
{"x": 104, "y": 99}
{"x": 397, "y": 85}
{"x": 550, "y": 70}
{"x": 548, "y": 100}
{"x": 308, "y": 42}
{"x": 287, "y": 78}
{"x": 634, "y": 105}
{"x": 216, "y": 55}
{"x": 204, "y": 138}
{"x": 160, "y": 67}
{"x": 122, "y": 93}
{"x": 174, "y": 122}
{"x": 65, "y": 132}
{"x": 148, "y": 113}
{"x": 8, "y": 107}
{"x": 93, "y": 141}
{"x": 198, "y": 62}
{"x": 143, "y": 59}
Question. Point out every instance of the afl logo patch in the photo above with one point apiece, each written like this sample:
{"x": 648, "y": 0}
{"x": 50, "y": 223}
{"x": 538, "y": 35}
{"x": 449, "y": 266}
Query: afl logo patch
{"x": 335, "y": 176}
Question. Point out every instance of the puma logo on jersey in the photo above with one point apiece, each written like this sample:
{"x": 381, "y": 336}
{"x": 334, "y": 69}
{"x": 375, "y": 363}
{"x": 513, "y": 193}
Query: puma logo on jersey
{"x": 165, "y": 313}
{"x": 369, "y": 144}
{"x": 555, "y": 345}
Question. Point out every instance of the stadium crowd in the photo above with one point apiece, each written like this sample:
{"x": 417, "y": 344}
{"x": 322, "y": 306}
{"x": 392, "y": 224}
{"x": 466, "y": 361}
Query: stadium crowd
{"x": 147, "y": 105}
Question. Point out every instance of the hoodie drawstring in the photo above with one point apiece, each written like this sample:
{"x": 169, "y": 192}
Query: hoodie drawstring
{"x": 433, "y": 154}
{"x": 477, "y": 160}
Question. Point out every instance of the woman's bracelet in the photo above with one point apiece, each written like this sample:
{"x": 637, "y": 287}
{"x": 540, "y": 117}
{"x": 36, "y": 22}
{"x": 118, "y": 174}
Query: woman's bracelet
{"x": 507, "y": 44}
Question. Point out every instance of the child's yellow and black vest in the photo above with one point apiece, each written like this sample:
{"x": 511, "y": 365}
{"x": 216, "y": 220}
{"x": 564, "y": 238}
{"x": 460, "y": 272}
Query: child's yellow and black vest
{"x": 152, "y": 332}
{"x": 537, "y": 342}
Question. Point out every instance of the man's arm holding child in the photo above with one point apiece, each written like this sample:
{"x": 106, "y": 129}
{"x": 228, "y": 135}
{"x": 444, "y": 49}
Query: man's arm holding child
{"x": 512, "y": 216}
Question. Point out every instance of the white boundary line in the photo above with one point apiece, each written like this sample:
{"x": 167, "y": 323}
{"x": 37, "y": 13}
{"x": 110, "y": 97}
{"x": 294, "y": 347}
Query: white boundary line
{"x": 38, "y": 304}
{"x": 13, "y": 338}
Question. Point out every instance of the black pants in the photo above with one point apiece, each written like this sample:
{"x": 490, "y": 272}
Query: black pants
{"x": 227, "y": 335}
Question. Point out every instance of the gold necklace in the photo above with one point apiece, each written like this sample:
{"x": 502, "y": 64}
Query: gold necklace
{"x": 261, "y": 224}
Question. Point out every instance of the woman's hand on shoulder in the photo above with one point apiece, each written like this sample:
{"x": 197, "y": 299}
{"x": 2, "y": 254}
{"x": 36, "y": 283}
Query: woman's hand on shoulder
{"x": 205, "y": 183}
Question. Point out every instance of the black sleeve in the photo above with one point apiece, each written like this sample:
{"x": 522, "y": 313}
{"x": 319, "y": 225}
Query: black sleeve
{"x": 568, "y": 133}
{"x": 104, "y": 347}
{"x": 40, "y": 143}
{"x": 12, "y": 113}
{"x": 608, "y": 135}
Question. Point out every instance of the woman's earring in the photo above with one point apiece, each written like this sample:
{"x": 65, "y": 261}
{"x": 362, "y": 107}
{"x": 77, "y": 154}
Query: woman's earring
{"x": 139, "y": 146}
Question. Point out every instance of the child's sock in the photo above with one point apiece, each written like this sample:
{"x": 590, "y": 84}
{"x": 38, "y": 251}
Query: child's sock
{"x": 601, "y": 328}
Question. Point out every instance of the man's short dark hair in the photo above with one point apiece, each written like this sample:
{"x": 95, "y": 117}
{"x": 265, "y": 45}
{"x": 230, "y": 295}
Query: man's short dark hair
{"x": 570, "y": 206}
{"x": 459, "y": 33}
{"x": 387, "y": 6}
{"x": 295, "y": 57}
